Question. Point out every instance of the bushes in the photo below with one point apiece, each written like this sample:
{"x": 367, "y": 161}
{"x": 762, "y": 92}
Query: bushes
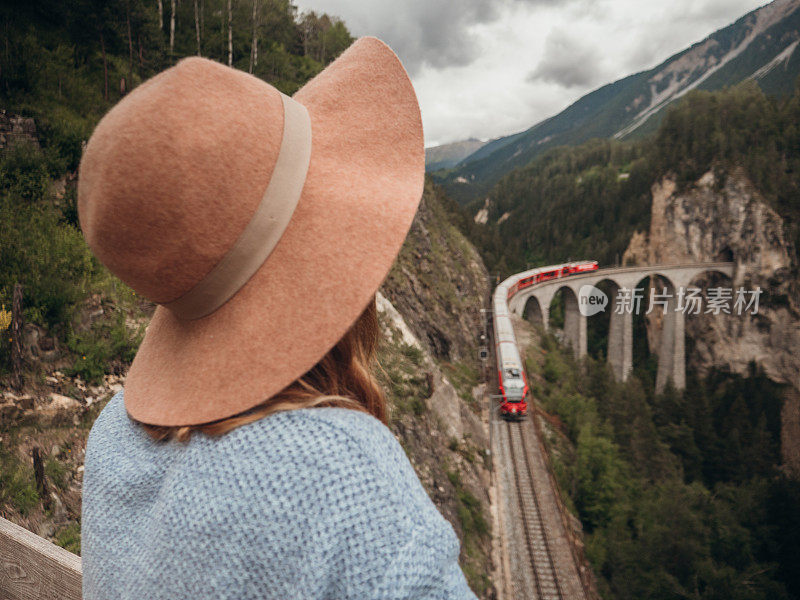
{"x": 49, "y": 258}
{"x": 23, "y": 173}
{"x": 63, "y": 134}
{"x": 678, "y": 493}
{"x": 103, "y": 343}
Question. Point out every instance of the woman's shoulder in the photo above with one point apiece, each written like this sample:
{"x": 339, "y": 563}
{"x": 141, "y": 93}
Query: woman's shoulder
{"x": 308, "y": 436}
{"x": 345, "y": 424}
{"x": 325, "y": 436}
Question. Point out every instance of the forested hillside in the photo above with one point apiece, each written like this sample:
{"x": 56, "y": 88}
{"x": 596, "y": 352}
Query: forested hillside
{"x": 678, "y": 494}
{"x": 586, "y": 201}
{"x": 63, "y": 65}
{"x": 681, "y": 494}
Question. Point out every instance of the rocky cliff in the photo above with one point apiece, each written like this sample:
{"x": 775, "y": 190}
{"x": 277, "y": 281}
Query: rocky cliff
{"x": 430, "y": 306}
{"x": 439, "y": 283}
{"x": 722, "y": 217}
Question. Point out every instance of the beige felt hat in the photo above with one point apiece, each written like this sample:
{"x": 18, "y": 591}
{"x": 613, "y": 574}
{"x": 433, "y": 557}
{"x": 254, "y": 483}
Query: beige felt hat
{"x": 262, "y": 225}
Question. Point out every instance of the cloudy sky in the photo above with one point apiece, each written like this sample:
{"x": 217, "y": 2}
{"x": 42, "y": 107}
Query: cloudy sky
{"x": 486, "y": 68}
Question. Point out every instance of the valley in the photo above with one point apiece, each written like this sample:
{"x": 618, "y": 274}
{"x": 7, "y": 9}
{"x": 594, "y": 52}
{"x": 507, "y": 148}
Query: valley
{"x": 660, "y": 456}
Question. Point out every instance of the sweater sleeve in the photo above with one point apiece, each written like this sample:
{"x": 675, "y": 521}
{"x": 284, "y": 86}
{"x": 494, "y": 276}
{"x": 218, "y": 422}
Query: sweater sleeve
{"x": 396, "y": 545}
{"x": 425, "y": 568}
{"x": 310, "y": 504}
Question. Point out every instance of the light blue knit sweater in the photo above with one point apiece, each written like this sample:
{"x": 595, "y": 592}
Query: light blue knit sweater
{"x": 307, "y": 504}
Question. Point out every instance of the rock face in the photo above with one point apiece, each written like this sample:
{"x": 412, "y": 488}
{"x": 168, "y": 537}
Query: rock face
{"x": 439, "y": 284}
{"x": 444, "y": 439}
{"x": 724, "y": 218}
{"x": 714, "y": 221}
{"x": 430, "y": 308}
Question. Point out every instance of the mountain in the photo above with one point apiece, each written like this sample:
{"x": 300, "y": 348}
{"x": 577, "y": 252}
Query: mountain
{"x": 761, "y": 46}
{"x": 447, "y": 156}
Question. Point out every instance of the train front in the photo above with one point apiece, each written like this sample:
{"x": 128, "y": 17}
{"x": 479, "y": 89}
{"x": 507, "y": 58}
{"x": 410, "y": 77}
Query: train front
{"x": 513, "y": 390}
{"x": 512, "y": 384}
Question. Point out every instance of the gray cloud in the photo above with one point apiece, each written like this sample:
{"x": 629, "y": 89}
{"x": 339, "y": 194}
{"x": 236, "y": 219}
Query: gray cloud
{"x": 689, "y": 22}
{"x": 423, "y": 32}
{"x": 433, "y": 32}
{"x": 514, "y": 80}
{"x": 567, "y": 62}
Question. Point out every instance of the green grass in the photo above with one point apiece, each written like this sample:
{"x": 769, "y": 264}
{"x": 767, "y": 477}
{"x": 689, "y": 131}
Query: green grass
{"x": 17, "y": 484}
{"x": 56, "y": 473}
{"x": 464, "y": 379}
{"x": 476, "y": 534}
{"x": 69, "y": 537}
{"x": 105, "y": 341}
{"x": 400, "y": 372}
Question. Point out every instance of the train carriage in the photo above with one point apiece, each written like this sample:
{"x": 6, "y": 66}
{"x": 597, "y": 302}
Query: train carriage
{"x": 512, "y": 383}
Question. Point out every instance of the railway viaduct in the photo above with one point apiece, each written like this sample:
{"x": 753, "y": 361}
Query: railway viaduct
{"x": 671, "y": 354}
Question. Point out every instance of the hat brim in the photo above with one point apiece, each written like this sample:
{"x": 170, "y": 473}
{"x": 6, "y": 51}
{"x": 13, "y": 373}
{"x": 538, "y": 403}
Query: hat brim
{"x": 363, "y": 186}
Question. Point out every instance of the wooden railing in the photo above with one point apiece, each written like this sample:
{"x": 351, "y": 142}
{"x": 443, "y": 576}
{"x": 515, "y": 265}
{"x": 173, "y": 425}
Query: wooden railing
{"x": 33, "y": 568}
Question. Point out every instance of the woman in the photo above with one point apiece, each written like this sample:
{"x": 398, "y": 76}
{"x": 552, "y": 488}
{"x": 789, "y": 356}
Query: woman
{"x": 248, "y": 455}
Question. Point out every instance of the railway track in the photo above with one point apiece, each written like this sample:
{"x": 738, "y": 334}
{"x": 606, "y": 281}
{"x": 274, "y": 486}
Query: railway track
{"x": 545, "y": 578}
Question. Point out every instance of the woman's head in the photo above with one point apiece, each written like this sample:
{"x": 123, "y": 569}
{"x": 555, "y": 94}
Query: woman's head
{"x": 260, "y": 224}
{"x": 342, "y": 378}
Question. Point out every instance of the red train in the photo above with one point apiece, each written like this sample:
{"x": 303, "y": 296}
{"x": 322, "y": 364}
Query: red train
{"x": 510, "y": 370}
{"x": 513, "y": 404}
{"x": 573, "y": 268}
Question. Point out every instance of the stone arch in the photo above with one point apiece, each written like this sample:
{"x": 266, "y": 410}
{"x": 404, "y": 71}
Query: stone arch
{"x": 724, "y": 255}
{"x": 598, "y": 325}
{"x": 670, "y": 283}
{"x": 715, "y": 274}
{"x": 574, "y": 321}
{"x": 533, "y": 312}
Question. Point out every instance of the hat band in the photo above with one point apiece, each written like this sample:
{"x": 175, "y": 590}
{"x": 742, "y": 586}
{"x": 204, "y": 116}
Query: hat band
{"x": 265, "y": 228}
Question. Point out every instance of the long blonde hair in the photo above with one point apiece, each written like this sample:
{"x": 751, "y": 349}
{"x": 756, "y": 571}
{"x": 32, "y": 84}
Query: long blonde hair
{"x": 342, "y": 378}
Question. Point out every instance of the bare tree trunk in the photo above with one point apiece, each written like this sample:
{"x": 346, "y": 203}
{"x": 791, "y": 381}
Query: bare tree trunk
{"x": 141, "y": 57}
{"x": 38, "y": 473}
{"x": 161, "y": 15}
{"x": 230, "y": 33}
{"x": 17, "y": 328}
{"x": 305, "y": 31}
{"x": 202, "y": 18}
{"x": 172, "y": 30}
{"x": 197, "y": 25}
{"x": 105, "y": 66}
{"x": 254, "y": 46}
{"x": 130, "y": 40}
